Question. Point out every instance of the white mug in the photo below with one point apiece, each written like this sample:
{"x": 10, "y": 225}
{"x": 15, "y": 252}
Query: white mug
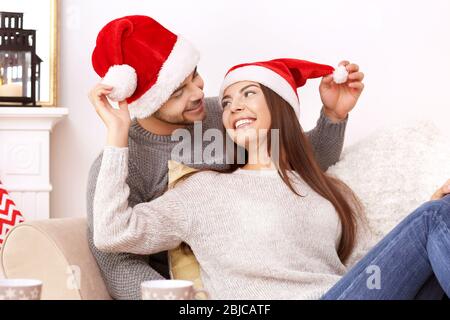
{"x": 170, "y": 290}
{"x": 20, "y": 289}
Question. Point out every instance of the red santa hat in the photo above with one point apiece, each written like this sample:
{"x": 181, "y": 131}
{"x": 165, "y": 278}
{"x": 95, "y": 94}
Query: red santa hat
{"x": 283, "y": 76}
{"x": 143, "y": 62}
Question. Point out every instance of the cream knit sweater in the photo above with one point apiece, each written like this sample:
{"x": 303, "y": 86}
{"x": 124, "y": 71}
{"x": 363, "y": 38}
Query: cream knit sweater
{"x": 253, "y": 237}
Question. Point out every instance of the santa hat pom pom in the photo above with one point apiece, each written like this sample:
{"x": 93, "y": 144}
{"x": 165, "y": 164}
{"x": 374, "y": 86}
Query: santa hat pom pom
{"x": 123, "y": 79}
{"x": 340, "y": 75}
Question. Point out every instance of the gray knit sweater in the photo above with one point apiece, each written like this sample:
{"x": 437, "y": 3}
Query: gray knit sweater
{"x": 147, "y": 179}
{"x": 252, "y": 236}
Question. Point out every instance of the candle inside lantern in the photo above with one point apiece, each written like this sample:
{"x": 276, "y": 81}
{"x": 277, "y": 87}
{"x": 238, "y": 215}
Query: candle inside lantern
{"x": 11, "y": 90}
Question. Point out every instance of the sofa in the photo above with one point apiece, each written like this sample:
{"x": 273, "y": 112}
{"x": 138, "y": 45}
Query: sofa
{"x": 392, "y": 171}
{"x": 56, "y": 252}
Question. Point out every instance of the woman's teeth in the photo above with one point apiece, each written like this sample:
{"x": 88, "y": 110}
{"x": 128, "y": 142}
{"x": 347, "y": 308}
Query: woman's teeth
{"x": 243, "y": 122}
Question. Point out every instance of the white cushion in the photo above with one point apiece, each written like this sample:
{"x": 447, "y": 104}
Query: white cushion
{"x": 395, "y": 170}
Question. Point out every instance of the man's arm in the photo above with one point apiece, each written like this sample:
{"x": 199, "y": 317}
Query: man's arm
{"x": 327, "y": 140}
{"x": 123, "y": 273}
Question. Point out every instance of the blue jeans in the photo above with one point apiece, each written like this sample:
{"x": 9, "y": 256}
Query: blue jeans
{"x": 411, "y": 262}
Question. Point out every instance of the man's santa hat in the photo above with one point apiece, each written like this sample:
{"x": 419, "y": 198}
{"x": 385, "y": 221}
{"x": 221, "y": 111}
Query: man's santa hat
{"x": 283, "y": 76}
{"x": 143, "y": 62}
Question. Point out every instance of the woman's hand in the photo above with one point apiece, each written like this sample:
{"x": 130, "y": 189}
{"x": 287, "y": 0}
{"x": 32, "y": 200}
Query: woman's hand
{"x": 442, "y": 191}
{"x": 117, "y": 121}
{"x": 340, "y": 99}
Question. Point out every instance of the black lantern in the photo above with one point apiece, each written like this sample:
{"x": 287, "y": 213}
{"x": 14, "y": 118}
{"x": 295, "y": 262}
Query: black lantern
{"x": 19, "y": 64}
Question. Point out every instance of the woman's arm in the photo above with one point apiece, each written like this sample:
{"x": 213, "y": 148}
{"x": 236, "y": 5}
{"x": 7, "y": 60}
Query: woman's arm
{"x": 327, "y": 140}
{"x": 146, "y": 228}
{"x": 338, "y": 100}
{"x": 123, "y": 272}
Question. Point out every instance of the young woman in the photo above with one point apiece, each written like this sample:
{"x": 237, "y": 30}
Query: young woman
{"x": 276, "y": 227}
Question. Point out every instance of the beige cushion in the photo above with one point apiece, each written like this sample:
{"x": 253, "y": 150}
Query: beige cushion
{"x": 57, "y": 253}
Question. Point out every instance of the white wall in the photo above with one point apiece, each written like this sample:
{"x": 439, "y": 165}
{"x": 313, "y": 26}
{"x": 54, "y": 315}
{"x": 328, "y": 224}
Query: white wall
{"x": 402, "y": 46}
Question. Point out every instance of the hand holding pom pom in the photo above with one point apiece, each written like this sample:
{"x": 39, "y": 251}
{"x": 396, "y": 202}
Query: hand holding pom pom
{"x": 341, "y": 90}
{"x": 117, "y": 120}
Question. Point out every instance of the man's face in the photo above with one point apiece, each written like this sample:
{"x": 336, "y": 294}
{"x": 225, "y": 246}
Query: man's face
{"x": 186, "y": 104}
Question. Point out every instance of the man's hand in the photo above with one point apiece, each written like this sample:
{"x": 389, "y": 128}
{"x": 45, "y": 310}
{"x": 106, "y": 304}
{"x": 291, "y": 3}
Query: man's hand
{"x": 442, "y": 191}
{"x": 117, "y": 121}
{"x": 340, "y": 99}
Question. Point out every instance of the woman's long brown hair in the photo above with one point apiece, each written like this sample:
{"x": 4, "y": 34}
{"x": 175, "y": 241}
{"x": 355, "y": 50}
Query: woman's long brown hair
{"x": 296, "y": 154}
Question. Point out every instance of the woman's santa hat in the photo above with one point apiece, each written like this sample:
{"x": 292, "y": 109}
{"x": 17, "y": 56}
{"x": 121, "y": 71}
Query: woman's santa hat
{"x": 143, "y": 62}
{"x": 283, "y": 76}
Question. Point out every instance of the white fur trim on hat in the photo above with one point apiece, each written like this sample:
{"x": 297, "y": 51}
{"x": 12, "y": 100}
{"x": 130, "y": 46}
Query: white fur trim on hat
{"x": 266, "y": 77}
{"x": 123, "y": 79}
{"x": 181, "y": 62}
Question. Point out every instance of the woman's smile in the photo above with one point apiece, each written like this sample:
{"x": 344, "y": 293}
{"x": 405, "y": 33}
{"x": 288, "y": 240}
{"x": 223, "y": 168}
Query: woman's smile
{"x": 243, "y": 123}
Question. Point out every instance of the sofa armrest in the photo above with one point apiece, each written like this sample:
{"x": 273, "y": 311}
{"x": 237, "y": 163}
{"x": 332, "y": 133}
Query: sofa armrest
{"x": 57, "y": 253}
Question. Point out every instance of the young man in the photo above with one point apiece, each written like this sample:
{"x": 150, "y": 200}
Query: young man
{"x": 166, "y": 95}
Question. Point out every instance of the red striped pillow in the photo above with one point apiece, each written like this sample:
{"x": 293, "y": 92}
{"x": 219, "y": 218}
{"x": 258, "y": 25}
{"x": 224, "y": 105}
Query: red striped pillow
{"x": 10, "y": 216}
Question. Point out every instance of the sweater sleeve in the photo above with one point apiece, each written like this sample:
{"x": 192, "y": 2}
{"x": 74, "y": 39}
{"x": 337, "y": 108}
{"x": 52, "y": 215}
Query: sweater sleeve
{"x": 122, "y": 272}
{"x": 146, "y": 228}
{"x": 327, "y": 140}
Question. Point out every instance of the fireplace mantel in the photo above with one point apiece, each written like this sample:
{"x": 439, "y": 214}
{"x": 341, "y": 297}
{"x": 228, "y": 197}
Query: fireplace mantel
{"x": 25, "y": 156}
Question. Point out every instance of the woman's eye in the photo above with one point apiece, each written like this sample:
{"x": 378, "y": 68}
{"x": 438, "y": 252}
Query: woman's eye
{"x": 249, "y": 93}
{"x": 178, "y": 94}
{"x": 225, "y": 104}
